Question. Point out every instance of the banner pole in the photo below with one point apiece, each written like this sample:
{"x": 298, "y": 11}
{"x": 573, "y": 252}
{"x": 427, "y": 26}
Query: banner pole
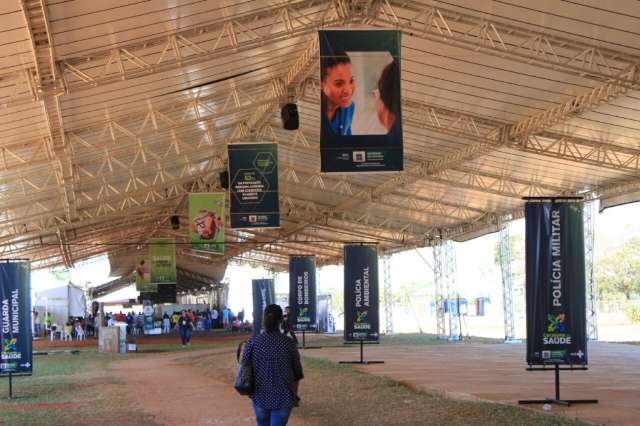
{"x": 304, "y": 345}
{"x": 10, "y": 386}
{"x": 557, "y": 382}
{"x": 361, "y": 351}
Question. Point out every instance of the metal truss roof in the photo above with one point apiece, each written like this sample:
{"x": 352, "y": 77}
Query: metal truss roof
{"x": 107, "y": 123}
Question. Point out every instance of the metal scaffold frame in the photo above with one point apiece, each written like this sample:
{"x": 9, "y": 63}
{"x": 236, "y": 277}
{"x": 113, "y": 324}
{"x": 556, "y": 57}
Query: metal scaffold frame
{"x": 592, "y": 291}
{"x": 445, "y": 272}
{"x": 388, "y": 302}
{"x": 507, "y": 283}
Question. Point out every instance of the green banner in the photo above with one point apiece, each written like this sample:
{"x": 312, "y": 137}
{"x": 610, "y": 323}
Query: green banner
{"x": 142, "y": 274}
{"x": 206, "y": 214}
{"x": 162, "y": 259}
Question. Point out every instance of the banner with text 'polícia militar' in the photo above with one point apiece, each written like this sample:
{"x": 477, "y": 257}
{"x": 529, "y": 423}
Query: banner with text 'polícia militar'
{"x": 555, "y": 283}
{"x": 253, "y": 185}
{"x": 361, "y": 308}
{"x": 263, "y": 294}
{"x": 302, "y": 292}
{"x": 16, "y": 354}
{"x": 361, "y": 119}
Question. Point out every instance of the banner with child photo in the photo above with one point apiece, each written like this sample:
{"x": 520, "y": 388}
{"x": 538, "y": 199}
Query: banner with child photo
{"x": 361, "y": 120}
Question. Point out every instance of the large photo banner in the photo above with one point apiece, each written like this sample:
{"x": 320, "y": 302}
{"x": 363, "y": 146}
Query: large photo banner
{"x": 302, "y": 292}
{"x": 555, "y": 283}
{"x": 16, "y": 354}
{"x": 361, "y": 305}
{"x": 263, "y": 294}
{"x": 162, "y": 259}
{"x": 206, "y": 214}
{"x": 253, "y": 186}
{"x": 361, "y": 119}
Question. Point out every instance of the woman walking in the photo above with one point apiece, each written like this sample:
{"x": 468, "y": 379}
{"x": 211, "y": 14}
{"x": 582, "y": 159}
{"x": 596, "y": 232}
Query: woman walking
{"x": 276, "y": 370}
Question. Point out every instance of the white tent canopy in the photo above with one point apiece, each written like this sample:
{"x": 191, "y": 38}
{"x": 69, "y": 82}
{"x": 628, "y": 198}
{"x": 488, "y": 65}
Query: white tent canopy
{"x": 61, "y": 302}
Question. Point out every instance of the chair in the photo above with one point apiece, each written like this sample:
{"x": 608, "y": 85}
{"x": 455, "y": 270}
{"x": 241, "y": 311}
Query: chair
{"x": 80, "y": 335}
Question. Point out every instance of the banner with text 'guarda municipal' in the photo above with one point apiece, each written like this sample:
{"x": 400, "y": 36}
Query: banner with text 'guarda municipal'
{"x": 555, "y": 283}
{"x": 253, "y": 185}
{"x": 361, "y": 306}
{"x": 302, "y": 292}
{"x": 361, "y": 119}
{"x": 16, "y": 354}
{"x": 162, "y": 259}
{"x": 206, "y": 216}
{"x": 263, "y": 294}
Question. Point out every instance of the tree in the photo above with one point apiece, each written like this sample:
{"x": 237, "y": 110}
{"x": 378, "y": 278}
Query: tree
{"x": 618, "y": 274}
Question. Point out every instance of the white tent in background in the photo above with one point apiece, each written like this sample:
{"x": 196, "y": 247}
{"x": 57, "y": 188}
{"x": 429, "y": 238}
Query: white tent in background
{"x": 61, "y": 302}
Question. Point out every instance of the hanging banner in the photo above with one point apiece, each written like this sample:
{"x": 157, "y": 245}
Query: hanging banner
{"x": 263, "y": 294}
{"x": 555, "y": 281}
{"x": 361, "y": 310}
{"x": 361, "y": 119}
{"x": 253, "y": 187}
{"x": 147, "y": 311}
{"x": 16, "y": 354}
{"x": 302, "y": 292}
{"x": 162, "y": 260}
{"x": 206, "y": 213}
{"x": 142, "y": 274}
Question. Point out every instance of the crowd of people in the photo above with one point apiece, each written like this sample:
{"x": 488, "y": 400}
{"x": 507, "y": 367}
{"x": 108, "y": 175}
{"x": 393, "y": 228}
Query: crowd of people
{"x": 74, "y": 328}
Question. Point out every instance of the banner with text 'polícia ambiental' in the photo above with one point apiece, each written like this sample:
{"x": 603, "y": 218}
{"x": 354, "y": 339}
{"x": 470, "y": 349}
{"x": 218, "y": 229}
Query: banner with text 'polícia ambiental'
{"x": 16, "y": 354}
{"x": 555, "y": 283}
{"x": 361, "y": 118}
{"x": 361, "y": 305}
{"x": 263, "y": 294}
{"x": 302, "y": 292}
{"x": 253, "y": 185}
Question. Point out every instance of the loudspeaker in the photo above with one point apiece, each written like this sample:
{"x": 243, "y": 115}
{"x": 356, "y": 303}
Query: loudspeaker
{"x": 175, "y": 222}
{"x": 289, "y": 114}
{"x": 224, "y": 179}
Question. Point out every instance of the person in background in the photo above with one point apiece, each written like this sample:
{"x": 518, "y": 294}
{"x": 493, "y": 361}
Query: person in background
{"x": 226, "y": 317}
{"x": 214, "y": 317}
{"x": 66, "y": 331}
{"x": 166, "y": 323}
{"x": 276, "y": 370}
{"x": 36, "y": 323}
{"x": 47, "y": 321}
{"x": 241, "y": 315}
{"x": 286, "y": 325}
{"x": 174, "y": 319}
{"x": 185, "y": 324}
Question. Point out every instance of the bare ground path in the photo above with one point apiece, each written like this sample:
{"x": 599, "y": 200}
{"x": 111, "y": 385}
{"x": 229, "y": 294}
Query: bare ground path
{"x": 179, "y": 394}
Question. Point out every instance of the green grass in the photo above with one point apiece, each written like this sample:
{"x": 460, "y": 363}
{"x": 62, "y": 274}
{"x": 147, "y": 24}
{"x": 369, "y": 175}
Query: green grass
{"x": 340, "y": 394}
{"x": 70, "y": 389}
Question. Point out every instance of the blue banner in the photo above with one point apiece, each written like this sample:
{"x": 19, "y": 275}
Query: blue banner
{"x": 263, "y": 294}
{"x": 361, "y": 305}
{"x": 253, "y": 186}
{"x": 555, "y": 283}
{"x": 361, "y": 118}
{"x": 302, "y": 292}
{"x": 16, "y": 354}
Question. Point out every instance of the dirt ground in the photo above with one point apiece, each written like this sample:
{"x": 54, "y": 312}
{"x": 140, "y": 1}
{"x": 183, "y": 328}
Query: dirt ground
{"x": 496, "y": 372}
{"x": 179, "y": 394}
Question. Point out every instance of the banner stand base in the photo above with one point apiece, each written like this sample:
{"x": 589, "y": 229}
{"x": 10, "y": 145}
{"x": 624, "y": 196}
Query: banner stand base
{"x": 362, "y": 361}
{"x": 304, "y": 345}
{"x": 11, "y": 387}
{"x": 557, "y": 400}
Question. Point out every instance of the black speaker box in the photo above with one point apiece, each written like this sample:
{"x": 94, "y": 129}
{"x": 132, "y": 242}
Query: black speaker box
{"x": 289, "y": 114}
{"x": 175, "y": 222}
{"x": 224, "y": 179}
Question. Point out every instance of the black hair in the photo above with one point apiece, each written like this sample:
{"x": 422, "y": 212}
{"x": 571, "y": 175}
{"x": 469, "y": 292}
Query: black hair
{"x": 328, "y": 62}
{"x": 389, "y": 87}
{"x": 272, "y": 317}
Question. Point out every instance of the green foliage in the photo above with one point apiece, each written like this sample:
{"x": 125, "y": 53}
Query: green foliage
{"x": 618, "y": 274}
{"x": 633, "y": 312}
